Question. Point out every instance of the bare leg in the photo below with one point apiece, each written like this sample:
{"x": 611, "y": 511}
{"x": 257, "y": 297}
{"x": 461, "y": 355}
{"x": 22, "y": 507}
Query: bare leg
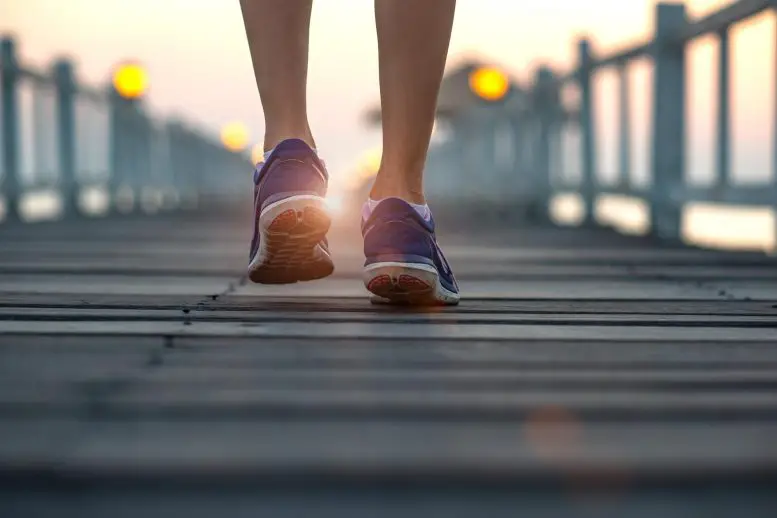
{"x": 413, "y": 39}
{"x": 278, "y": 34}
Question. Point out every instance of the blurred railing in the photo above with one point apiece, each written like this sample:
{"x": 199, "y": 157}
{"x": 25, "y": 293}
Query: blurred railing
{"x": 90, "y": 148}
{"x": 529, "y": 170}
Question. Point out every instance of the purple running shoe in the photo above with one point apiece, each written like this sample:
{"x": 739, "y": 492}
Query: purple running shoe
{"x": 290, "y": 217}
{"x": 404, "y": 263}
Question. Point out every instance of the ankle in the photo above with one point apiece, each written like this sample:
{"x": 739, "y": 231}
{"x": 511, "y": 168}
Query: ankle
{"x": 272, "y": 139}
{"x": 268, "y": 152}
{"x": 421, "y": 208}
{"x": 381, "y": 190}
{"x": 415, "y": 199}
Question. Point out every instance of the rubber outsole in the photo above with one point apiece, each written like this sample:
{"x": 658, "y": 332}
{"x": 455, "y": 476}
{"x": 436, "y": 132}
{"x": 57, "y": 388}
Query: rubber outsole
{"x": 291, "y": 232}
{"x": 407, "y": 284}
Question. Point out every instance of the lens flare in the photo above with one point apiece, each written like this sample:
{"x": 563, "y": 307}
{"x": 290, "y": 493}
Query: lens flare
{"x": 234, "y": 136}
{"x": 489, "y": 83}
{"x": 130, "y": 80}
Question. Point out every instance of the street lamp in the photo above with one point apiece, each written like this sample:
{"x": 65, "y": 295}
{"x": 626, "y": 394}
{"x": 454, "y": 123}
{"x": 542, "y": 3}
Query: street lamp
{"x": 234, "y": 136}
{"x": 489, "y": 83}
{"x": 130, "y": 80}
{"x": 257, "y": 153}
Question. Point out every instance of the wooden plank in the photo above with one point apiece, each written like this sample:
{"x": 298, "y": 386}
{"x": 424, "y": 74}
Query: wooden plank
{"x": 203, "y": 495}
{"x": 547, "y": 289}
{"x": 189, "y": 265}
{"x": 337, "y": 446}
{"x": 356, "y": 353}
{"x": 98, "y": 300}
{"x": 121, "y": 399}
{"x": 114, "y": 284}
{"x": 55, "y": 349}
{"x": 368, "y": 316}
{"x": 376, "y": 330}
{"x": 313, "y": 304}
{"x": 402, "y": 404}
{"x": 124, "y": 328}
{"x": 32, "y": 371}
{"x": 235, "y": 253}
{"x": 463, "y": 378}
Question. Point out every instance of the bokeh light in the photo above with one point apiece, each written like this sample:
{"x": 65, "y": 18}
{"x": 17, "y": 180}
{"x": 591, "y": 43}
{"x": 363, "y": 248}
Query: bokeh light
{"x": 554, "y": 434}
{"x": 130, "y": 80}
{"x": 371, "y": 160}
{"x": 489, "y": 83}
{"x": 234, "y": 136}
{"x": 257, "y": 153}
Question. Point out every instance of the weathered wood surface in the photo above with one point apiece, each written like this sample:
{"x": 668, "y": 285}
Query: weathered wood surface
{"x": 584, "y": 374}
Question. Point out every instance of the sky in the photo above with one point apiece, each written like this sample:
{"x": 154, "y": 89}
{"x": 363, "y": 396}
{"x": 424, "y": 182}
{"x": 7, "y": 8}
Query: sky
{"x": 200, "y": 69}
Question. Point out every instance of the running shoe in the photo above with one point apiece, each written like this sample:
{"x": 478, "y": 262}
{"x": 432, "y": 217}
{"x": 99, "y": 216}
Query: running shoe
{"x": 290, "y": 217}
{"x": 404, "y": 263}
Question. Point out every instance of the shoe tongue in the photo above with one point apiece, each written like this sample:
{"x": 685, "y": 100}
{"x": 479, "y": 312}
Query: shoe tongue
{"x": 393, "y": 208}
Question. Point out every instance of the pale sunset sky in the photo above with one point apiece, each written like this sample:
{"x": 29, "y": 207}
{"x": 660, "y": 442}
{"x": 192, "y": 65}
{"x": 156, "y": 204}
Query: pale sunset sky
{"x": 197, "y": 57}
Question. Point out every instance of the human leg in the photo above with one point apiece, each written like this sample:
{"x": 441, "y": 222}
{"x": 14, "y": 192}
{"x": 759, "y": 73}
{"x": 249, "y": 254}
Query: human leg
{"x": 290, "y": 216}
{"x": 403, "y": 263}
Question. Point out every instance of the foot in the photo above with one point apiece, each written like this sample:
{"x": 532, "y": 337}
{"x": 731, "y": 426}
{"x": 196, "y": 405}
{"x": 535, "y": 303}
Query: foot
{"x": 404, "y": 263}
{"x": 291, "y": 219}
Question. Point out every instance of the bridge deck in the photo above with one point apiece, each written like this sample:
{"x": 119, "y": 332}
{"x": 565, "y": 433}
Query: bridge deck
{"x": 584, "y": 371}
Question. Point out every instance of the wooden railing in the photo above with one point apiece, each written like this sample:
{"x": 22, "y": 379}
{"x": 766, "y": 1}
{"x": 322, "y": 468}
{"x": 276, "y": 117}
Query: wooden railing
{"x": 61, "y": 136}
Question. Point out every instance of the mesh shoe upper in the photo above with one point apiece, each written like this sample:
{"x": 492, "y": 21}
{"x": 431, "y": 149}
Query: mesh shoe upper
{"x": 292, "y": 169}
{"x": 395, "y": 231}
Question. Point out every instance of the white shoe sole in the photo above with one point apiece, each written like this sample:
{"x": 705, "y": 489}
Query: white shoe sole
{"x": 290, "y": 233}
{"x": 407, "y": 283}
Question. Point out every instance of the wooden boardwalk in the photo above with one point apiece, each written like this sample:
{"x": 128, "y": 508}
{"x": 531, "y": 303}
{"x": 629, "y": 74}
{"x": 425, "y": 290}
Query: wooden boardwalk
{"x": 584, "y": 374}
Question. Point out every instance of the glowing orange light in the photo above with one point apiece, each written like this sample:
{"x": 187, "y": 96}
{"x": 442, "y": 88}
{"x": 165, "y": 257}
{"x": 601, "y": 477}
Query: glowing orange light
{"x": 234, "y": 136}
{"x": 489, "y": 83}
{"x": 257, "y": 153}
{"x": 370, "y": 162}
{"x": 553, "y": 433}
{"x": 130, "y": 80}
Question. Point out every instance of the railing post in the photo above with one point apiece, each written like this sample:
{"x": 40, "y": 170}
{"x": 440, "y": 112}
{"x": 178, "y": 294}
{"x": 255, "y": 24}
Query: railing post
{"x": 774, "y": 134}
{"x": 587, "y": 131}
{"x": 144, "y": 179}
{"x": 483, "y": 143}
{"x": 624, "y": 128}
{"x": 9, "y": 74}
{"x": 116, "y": 144}
{"x": 668, "y": 149}
{"x": 723, "y": 135}
{"x": 545, "y": 111}
{"x": 66, "y": 130}
{"x": 125, "y": 148}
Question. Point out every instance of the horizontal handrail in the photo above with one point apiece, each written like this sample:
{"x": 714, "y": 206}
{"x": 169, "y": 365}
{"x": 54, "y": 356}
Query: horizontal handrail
{"x": 723, "y": 18}
{"x": 710, "y": 24}
{"x": 539, "y": 164}
{"x": 136, "y": 150}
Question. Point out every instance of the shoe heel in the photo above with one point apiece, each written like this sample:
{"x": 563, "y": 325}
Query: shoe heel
{"x": 401, "y": 281}
{"x": 290, "y": 232}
